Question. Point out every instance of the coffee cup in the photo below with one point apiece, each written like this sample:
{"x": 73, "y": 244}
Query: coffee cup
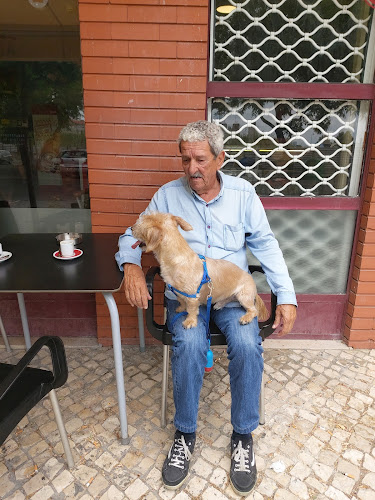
{"x": 67, "y": 248}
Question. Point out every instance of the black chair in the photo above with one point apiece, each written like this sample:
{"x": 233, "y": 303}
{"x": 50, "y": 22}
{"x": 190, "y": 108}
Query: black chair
{"x": 22, "y": 387}
{"x": 161, "y": 333}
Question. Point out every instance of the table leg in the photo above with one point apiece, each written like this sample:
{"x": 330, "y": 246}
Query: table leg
{"x": 117, "y": 353}
{"x": 141, "y": 330}
{"x": 25, "y": 324}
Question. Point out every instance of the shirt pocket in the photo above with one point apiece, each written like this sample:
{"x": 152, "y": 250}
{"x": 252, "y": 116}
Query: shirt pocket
{"x": 234, "y": 237}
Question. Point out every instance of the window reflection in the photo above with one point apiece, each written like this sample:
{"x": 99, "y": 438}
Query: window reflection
{"x": 42, "y": 137}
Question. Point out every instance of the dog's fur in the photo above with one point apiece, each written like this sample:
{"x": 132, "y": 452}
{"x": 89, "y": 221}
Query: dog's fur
{"x": 181, "y": 267}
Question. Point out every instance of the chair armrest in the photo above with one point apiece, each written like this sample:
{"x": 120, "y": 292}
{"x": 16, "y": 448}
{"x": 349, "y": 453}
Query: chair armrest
{"x": 153, "y": 327}
{"x": 59, "y": 364}
{"x": 266, "y": 326}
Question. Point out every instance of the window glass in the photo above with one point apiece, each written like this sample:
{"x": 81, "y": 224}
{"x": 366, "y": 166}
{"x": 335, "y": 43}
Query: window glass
{"x": 317, "y": 246}
{"x": 291, "y": 147}
{"x": 291, "y": 40}
{"x": 43, "y": 160}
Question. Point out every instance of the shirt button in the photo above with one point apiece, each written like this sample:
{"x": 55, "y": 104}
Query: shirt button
{"x": 209, "y": 227}
{"x": 206, "y": 206}
{"x": 209, "y": 246}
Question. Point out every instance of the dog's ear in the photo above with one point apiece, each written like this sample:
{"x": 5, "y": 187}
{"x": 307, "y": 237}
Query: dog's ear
{"x": 153, "y": 238}
{"x": 181, "y": 222}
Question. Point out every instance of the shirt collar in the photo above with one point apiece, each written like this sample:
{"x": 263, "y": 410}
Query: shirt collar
{"x": 221, "y": 180}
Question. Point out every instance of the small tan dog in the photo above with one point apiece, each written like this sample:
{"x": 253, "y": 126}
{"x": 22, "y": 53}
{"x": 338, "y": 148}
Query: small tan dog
{"x": 181, "y": 267}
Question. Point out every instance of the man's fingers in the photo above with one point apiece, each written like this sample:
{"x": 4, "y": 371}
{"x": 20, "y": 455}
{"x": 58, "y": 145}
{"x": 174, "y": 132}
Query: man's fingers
{"x": 276, "y": 323}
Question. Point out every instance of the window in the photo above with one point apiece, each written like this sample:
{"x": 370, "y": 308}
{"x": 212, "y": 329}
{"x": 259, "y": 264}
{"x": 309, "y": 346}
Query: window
{"x": 286, "y": 86}
{"x": 43, "y": 161}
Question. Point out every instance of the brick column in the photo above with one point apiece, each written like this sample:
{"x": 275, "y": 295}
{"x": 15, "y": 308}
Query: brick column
{"x": 360, "y": 320}
{"x": 144, "y": 77}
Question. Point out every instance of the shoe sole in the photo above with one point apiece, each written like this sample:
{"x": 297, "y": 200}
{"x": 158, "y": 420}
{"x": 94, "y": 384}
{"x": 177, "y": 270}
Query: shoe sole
{"x": 241, "y": 493}
{"x": 171, "y": 487}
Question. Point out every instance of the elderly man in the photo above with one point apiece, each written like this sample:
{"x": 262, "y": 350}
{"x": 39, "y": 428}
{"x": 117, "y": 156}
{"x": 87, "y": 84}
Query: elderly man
{"x": 226, "y": 215}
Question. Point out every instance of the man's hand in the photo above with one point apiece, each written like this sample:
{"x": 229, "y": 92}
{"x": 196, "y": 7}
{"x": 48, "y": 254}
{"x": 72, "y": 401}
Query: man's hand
{"x": 285, "y": 316}
{"x": 136, "y": 291}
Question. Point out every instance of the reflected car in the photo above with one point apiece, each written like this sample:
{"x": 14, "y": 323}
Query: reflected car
{"x": 72, "y": 160}
{"x": 5, "y": 157}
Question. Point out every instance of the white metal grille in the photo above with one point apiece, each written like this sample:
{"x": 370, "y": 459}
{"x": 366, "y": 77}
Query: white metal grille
{"x": 292, "y": 41}
{"x": 290, "y": 147}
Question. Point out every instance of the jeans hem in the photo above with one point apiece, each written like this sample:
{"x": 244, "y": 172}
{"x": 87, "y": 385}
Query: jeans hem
{"x": 246, "y": 430}
{"x": 184, "y": 428}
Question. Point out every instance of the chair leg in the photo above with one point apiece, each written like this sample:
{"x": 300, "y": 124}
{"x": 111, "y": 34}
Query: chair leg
{"x": 262, "y": 418}
{"x": 4, "y": 335}
{"x": 62, "y": 430}
{"x": 164, "y": 386}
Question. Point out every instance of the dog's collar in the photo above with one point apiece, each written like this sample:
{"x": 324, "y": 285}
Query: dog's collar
{"x": 205, "y": 279}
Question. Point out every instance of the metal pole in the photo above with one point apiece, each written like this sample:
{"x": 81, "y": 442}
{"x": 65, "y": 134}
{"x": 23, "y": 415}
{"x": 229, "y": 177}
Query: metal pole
{"x": 25, "y": 324}
{"x": 62, "y": 430}
{"x": 4, "y": 335}
{"x": 117, "y": 353}
{"x": 141, "y": 330}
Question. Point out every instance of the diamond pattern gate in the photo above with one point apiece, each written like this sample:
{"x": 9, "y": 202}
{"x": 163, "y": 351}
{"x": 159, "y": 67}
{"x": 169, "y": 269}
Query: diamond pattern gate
{"x": 288, "y": 87}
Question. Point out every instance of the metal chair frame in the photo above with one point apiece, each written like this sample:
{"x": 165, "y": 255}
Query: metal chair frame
{"x": 4, "y": 335}
{"x": 161, "y": 333}
{"x": 22, "y": 387}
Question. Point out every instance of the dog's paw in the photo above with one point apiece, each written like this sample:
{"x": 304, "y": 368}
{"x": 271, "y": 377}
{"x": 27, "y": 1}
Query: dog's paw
{"x": 180, "y": 309}
{"x": 190, "y": 323}
{"x": 247, "y": 318}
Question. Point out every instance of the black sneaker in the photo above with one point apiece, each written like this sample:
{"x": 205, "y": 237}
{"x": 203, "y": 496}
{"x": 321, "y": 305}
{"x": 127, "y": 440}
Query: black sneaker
{"x": 176, "y": 465}
{"x": 243, "y": 471}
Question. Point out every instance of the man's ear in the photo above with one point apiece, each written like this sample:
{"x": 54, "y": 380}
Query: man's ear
{"x": 153, "y": 239}
{"x": 220, "y": 159}
{"x": 181, "y": 222}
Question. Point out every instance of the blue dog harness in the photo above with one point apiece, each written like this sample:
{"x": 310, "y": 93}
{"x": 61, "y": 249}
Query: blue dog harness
{"x": 205, "y": 279}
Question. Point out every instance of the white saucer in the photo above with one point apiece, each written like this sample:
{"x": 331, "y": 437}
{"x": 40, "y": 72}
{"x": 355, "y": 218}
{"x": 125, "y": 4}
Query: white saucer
{"x": 77, "y": 253}
{"x": 5, "y": 256}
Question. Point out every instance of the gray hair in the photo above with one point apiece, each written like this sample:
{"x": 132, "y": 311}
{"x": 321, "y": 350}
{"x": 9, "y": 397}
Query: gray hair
{"x": 203, "y": 131}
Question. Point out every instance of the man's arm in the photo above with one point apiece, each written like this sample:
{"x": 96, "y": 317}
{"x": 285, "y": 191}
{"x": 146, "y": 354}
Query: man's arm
{"x": 265, "y": 248}
{"x": 128, "y": 259}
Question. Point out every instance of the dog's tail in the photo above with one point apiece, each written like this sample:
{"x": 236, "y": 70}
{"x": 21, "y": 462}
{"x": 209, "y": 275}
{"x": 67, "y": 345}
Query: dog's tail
{"x": 263, "y": 313}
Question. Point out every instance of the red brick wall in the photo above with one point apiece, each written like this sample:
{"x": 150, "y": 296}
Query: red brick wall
{"x": 144, "y": 77}
{"x": 360, "y": 320}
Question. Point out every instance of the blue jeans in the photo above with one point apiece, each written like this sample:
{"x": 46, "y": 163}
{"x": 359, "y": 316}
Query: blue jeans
{"x": 189, "y": 359}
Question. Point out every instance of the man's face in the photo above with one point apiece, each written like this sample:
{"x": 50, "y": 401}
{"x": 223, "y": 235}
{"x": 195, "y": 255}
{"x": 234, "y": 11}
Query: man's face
{"x": 200, "y": 166}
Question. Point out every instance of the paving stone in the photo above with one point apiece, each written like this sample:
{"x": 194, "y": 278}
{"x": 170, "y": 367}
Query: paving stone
{"x": 369, "y": 463}
{"x": 44, "y": 494}
{"x": 112, "y": 493}
{"x": 62, "y": 481}
{"x": 320, "y": 422}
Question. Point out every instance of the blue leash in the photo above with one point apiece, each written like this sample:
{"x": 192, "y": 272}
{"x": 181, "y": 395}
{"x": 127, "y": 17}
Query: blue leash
{"x": 205, "y": 279}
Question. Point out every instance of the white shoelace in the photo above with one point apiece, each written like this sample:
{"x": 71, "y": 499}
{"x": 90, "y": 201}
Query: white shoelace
{"x": 241, "y": 458}
{"x": 180, "y": 453}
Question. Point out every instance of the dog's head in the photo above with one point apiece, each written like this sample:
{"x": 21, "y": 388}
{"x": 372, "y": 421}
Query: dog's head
{"x": 151, "y": 228}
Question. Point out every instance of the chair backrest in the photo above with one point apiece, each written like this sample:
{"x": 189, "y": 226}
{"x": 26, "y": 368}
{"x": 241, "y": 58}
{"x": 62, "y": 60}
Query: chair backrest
{"x": 22, "y": 387}
{"x": 161, "y": 333}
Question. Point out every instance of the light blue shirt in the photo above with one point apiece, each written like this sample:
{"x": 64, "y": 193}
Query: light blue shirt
{"x": 222, "y": 228}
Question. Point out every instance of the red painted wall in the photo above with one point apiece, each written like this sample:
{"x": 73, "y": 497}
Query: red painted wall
{"x": 144, "y": 77}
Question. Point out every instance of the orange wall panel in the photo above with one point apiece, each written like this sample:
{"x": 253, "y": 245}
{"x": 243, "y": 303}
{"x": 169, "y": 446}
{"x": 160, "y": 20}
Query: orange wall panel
{"x": 360, "y": 318}
{"x": 144, "y": 66}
